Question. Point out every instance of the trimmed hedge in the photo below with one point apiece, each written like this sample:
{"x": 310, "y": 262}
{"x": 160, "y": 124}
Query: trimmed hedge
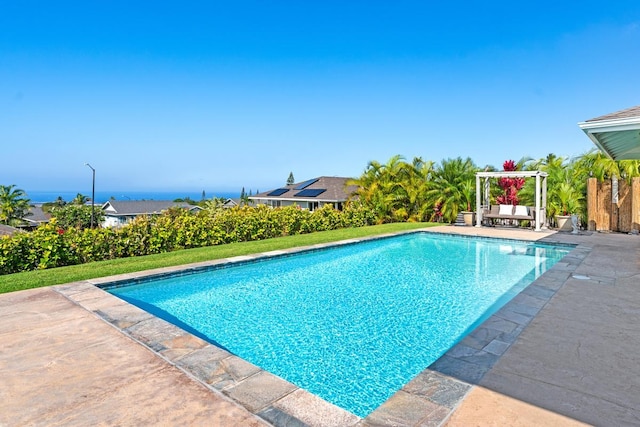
{"x": 51, "y": 246}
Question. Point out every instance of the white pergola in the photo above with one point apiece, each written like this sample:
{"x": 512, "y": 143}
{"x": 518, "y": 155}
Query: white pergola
{"x": 483, "y": 196}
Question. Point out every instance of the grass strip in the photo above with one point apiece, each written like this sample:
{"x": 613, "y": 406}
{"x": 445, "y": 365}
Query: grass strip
{"x": 73, "y": 273}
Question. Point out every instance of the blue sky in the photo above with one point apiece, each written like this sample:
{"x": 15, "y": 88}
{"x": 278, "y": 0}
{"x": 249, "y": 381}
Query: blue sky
{"x": 220, "y": 95}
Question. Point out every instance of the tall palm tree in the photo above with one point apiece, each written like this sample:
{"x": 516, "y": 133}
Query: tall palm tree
{"x": 13, "y": 205}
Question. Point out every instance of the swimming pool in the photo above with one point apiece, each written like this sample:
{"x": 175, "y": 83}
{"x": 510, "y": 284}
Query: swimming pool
{"x": 351, "y": 324}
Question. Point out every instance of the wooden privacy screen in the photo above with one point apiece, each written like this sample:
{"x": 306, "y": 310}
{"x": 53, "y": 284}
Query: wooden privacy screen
{"x": 605, "y": 214}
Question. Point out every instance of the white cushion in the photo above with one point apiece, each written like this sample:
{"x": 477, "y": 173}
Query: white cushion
{"x": 505, "y": 210}
{"x": 521, "y": 210}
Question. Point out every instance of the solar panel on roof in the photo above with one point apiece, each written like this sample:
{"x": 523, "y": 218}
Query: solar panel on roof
{"x": 278, "y": 192}
{"x": 311, "y": 192}
{"x": 305, "y": 184}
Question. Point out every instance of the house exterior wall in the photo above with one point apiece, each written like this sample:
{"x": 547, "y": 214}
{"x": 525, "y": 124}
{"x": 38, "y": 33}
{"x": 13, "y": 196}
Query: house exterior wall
{"x": 303, "y": 204}
{"x": 116, "y": 221}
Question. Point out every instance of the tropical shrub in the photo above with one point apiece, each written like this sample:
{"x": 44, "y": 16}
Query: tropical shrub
{"x": 396, "y": 190}
{"x": 78, "y": 216}
{"x": 52, "y": 246}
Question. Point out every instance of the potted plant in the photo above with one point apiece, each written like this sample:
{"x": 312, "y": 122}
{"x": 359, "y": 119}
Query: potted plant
{"x": 468, "y": 194}
{"x": 567, "y": 204}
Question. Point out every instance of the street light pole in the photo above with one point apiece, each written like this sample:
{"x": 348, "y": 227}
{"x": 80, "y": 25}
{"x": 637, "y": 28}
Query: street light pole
{"x": 93, "y": 195}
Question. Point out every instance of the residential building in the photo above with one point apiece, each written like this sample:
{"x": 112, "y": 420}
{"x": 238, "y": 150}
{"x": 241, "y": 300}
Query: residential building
{"x": 35, "y": 217}
{"x": 120, "y": 212}
{"x": 235, "y": 202}
{"x": 311, "y": 194}
{"x": 7, "y": 230}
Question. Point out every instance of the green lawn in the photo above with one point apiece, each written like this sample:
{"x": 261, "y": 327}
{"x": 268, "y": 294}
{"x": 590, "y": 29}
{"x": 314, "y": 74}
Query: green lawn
{"x": 55, "y": 276}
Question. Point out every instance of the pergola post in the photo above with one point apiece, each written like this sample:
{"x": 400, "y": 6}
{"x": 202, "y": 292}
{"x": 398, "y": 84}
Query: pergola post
{"x": 478, "y": 203}
{"x": 544, "y": 201}
{"x": 537, "y": 202}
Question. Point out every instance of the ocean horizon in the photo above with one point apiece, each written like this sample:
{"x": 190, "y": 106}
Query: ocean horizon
{"x": 37, "y": 197}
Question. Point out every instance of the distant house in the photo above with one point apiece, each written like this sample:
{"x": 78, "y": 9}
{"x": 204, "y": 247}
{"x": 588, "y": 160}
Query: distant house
{"x": 7, "y": 230}
{"x": 234, "y": 202}
{"x": 35, "y": 217}
{"x": 311, "y": 194}
{"x": 120, "y": 212}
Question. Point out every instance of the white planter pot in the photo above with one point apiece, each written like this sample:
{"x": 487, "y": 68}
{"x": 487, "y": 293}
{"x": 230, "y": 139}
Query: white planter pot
{"x": 469, "y": 218}
{"x": 564, "y": 222}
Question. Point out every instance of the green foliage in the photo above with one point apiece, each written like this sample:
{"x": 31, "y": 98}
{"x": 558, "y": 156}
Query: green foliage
{"x": 14, "y": 205}
{"x": 75, "y": 215}
{"x": 80, "y": 199}
{"x": 566, "y": 185}
{"x": 49, "y": 206}
{"x": 452, "y": 188}
{"x": 52, "y": 245}
{"x": 397, "y": 190}
{"x": 400, "y": 191}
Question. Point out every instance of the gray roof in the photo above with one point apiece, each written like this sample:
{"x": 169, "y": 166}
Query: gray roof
{"x": 235, "y": 201}
{"x": 622, "y": 114}
{"x": 616, "y": 134}
{"x": 335, "y": 190}
{"x": 141, "y": 207}
{"x": 36, "y": 215}
{"x": 7, "y": 230}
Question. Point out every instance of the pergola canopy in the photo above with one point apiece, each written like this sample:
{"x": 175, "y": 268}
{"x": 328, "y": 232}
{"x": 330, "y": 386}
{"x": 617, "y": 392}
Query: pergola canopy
{"x": 483, "y": 197}
{"x": 616, "y": 134}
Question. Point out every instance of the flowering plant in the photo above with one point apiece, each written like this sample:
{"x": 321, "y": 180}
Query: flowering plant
{"x": 510, "y": 186}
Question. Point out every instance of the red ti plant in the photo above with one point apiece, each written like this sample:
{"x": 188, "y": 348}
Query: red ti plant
{"x": 510, "y": 186}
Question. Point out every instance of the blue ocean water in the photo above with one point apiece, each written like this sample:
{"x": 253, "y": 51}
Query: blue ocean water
{"x": 351, "y": 324}
{"x": 104, "y": 196}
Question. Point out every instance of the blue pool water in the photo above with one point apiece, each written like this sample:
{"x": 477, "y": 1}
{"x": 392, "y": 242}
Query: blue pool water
{"x": 351, "y": 324}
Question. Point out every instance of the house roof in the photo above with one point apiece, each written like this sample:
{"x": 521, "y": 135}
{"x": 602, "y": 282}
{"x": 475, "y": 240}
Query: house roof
{"x": 141, "y": 207}
{"x": 233, "y": 202}
{"x": 322, "y": 189}
{"x": 36, "y": 216}
{"x": 616, "y": 134}
{"x": 7, "y": 230}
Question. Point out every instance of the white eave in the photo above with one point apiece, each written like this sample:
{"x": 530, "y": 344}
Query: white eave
{"x": 618, "y": 138}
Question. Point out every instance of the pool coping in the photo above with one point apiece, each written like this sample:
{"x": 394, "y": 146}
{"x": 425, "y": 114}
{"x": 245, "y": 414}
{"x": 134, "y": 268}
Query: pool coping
{"x": 428, "y": 399}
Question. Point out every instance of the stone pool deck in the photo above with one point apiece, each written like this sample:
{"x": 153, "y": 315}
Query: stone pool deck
{"x": 563, "y": 352}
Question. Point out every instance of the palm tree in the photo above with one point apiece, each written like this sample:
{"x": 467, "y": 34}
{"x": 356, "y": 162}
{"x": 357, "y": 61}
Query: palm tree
{"x": 566, "y": 185}
{"x": 449, "y": 190}
{"x": 415, "y": 186}
{"x": 597, "y": 165}
{"x": 13, "y": 205}
{"x": 80, "y": 199}
{"x": 379, "y": 187}
{"x": 602, "y": 167}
